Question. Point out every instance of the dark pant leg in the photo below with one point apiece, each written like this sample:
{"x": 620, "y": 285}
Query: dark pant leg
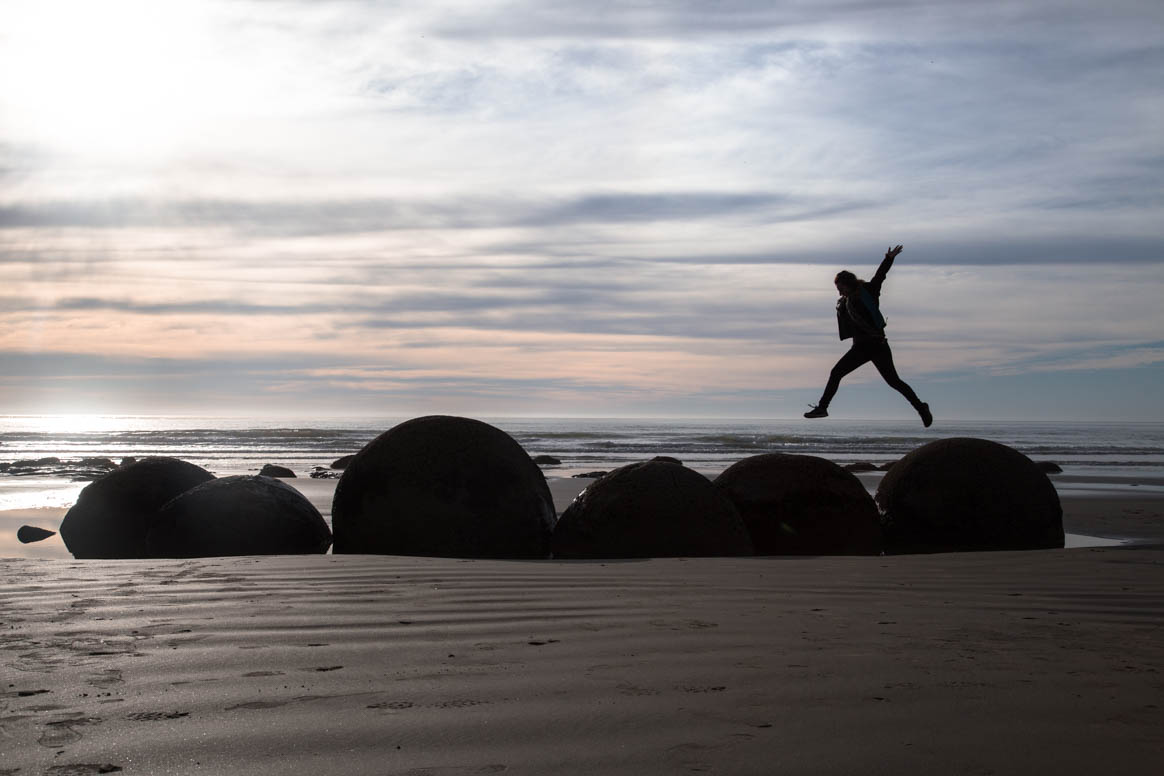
{"x": 855, "y": 357}
{"x": 882, "y": 358}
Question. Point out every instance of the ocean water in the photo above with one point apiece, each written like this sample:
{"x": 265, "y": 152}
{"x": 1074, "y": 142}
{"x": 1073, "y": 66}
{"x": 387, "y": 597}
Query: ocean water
{"x": 1105, "y": 452}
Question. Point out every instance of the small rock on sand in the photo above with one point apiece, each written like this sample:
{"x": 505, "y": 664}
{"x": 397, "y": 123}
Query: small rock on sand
{"x": 27, "y": 534}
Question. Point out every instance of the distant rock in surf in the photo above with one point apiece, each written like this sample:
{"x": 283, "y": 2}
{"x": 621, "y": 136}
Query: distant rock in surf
{"x": 343, "y": 463}
{"x": 969, "y": 494}
{"x": 113, "y": 514}
{"x": 589, "y": 475}
{"x": 652, "y": 509}
{"x": 320, "y": 473}
{"x": 546, "y": 460}
{"x": 240, "y": 515}
{"x": 80, "y": 470}
{"x": 271, "y": 470}
{"x": 860, "y": 466}
{"x": 802, "y": 505}
{"x": 27, "y": 534}
{"x": 443, "y": 486}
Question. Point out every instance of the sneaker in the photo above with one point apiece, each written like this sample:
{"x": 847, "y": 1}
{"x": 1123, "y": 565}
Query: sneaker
{"x": 817, "y": 412}
{"x": 924, "y": 411}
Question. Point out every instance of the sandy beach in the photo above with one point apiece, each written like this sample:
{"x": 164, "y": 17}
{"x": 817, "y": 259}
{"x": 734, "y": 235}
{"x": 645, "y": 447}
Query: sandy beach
{"x": 975, "y": 663}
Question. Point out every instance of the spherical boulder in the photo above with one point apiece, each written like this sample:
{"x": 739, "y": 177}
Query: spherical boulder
{"x": 113, "y": 514}
{"x": 241, "y": 515}
{"x": 802, "y": 505}
{"x": 443, "y": 486}
{"x": 969, "y": 494}
{"x": 650, "y": 510}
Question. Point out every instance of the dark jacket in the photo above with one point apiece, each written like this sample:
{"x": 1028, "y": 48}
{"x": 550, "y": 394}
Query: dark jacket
{"x": 859, "y": 314}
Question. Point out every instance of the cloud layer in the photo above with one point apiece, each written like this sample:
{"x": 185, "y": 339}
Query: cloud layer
{"x": 599, "y": 207}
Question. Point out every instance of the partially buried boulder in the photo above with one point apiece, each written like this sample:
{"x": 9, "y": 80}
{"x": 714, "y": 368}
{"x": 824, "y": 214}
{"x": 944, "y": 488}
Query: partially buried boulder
{"x": 802, "y": 505}
{"x": 969, "y": 494}
{"x": 443, "y": 486}
{"x": 650, "y": 510}
{"x": 274, "y": 470}
{"x": 114, "y": 513}
{"x": 241, "y": 515}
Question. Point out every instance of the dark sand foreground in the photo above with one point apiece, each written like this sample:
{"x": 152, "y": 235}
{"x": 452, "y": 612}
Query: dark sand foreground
{"x": 983, "y": 663}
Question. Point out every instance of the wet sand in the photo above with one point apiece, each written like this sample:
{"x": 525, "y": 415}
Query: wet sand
{"x": 1035, "y": 662}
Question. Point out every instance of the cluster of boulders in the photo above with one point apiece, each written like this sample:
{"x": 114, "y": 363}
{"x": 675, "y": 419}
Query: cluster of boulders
{"x": 167, "y": 508}
{"x": 456, "y": 487}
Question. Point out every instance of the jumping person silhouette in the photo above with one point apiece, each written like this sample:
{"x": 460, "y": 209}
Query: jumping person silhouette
{"x": 859, "y": 317}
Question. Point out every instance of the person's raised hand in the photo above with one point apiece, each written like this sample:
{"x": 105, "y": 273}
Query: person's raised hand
{"x": 892, "y": 252}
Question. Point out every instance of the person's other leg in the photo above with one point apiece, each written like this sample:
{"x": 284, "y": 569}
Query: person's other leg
{"x": 857, "y": 356}
{"x": 882, "y": 358}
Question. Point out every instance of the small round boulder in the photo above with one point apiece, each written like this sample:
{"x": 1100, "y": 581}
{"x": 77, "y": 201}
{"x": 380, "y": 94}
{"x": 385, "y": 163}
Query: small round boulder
{"x": 969, "y": 494}
{"x": 802, "y": 505}
{"x": 114, "y": 513}
{"x": 242, "y": 515}
{"x": 443, "y": 486}
{"x": 654, "y": 509}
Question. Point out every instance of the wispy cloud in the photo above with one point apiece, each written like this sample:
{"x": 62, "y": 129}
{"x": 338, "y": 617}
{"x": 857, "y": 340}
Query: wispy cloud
{"x": 440, "y": 200}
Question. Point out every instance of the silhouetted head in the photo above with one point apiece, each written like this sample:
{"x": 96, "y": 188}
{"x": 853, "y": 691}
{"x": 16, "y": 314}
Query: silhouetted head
{"x": 846, "y": 282}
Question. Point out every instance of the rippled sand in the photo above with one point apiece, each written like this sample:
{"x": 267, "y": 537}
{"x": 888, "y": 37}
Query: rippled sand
{"x": 1037, "y": 662}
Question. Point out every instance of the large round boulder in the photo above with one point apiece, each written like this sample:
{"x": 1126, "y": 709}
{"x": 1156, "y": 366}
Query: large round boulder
{"x": 969, "y": 494}
{"x": 114, "y": 513}
{"x": 443, "y": 486}
{"x": 650, "y": 510}
{"x": 802, "y": 505}
{"x": 242, "y": 515}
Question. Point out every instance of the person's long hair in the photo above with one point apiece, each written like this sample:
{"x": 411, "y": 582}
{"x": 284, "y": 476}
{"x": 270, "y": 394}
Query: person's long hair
{"x": 847, "y": 278}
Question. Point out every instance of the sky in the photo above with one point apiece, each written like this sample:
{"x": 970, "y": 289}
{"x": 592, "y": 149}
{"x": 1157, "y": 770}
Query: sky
{"x": 578, "y": 208}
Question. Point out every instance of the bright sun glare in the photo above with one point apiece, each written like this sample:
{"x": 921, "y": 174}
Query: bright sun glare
{"x": 72, "y": 423}
{"x": 112, "y": 77}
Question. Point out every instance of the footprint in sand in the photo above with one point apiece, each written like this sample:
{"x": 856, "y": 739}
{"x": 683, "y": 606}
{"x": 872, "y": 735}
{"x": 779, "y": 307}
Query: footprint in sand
{"x": 679, "y": 625}
{"x": 63, "y": 732}
{"x": 82, "y": 769}
{"x": 457, "y": 770}
{"x": 154, "y": 716}
{"x": 459, "y": 703}
{"x": 394, "y": 705}
{"x": 110, "y": 677}
{"x": 257, "y": 705}
{"x": 626, "y": 688}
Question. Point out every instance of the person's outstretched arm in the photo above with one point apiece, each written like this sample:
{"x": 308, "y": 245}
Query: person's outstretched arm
{"x": 883, "y": 270}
